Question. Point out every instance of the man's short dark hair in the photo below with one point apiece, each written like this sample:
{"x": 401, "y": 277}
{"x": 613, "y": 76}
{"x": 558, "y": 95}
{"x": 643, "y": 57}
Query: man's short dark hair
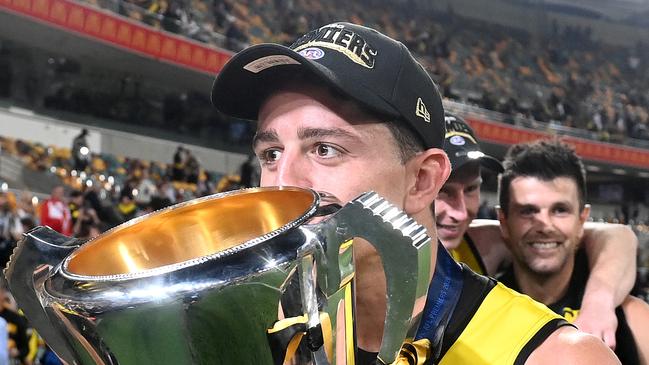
{"x": 407, "y": 142}
{"x": 406, "y": 139}
{"x": 545, "y": 160}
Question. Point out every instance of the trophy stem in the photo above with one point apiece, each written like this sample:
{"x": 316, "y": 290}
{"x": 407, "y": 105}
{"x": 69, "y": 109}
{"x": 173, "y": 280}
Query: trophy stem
{"x": 315, "y": 340}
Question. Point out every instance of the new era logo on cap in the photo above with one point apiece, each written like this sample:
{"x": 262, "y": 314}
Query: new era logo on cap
{"x": 421, "y": 111}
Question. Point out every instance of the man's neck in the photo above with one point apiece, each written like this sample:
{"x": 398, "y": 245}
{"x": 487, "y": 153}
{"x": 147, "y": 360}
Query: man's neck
{"x": 547, "y": 289}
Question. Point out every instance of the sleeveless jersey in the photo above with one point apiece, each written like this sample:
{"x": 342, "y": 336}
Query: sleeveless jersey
{"x": 568, "y": 306}
{"x": 491, "y": 324}
{"x": 467, "y": 253}
{"x": 495, "y": 325}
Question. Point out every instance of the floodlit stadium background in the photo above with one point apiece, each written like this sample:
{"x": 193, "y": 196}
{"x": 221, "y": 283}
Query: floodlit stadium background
{"x": 137, "y": 75}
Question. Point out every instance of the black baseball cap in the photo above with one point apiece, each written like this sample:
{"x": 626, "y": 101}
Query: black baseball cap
{"x": 461, "y": 145}
{"x": 376, "y": 71}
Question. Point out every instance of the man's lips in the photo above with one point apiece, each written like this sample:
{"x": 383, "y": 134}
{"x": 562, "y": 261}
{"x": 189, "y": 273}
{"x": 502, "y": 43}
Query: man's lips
{"x": 544, "y": 248}
{"x": 449, "y": 229}
{"x": 544, "y": 245}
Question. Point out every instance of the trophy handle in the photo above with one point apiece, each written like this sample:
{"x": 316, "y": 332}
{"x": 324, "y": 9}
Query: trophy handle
{"x": 405, "y": 250}
{"x": 36, "y": 253}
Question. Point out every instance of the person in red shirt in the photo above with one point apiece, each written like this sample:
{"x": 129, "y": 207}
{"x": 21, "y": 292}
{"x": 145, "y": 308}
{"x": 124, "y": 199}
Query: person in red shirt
{"x": 55, "y": 213}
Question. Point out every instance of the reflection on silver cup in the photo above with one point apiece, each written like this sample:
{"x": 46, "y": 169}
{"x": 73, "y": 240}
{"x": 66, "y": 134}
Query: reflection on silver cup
{"x": 235, "y": 278}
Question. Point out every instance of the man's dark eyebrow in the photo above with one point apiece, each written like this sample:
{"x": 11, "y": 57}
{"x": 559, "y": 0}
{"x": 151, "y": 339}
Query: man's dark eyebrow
{"x": 308, "y": 133}
{"x": 563, "y": 203}
{"x": 265, "y": 136}
{"x": 525, "y": 206}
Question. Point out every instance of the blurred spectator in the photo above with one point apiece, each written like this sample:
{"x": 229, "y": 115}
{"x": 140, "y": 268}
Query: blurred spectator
{"x": 192, "y": 167}
{"x": 107, "y": 216}
{"x": 88, "y": 230}
{"x": 86, "y": 218}
{"x": 25, "y": 206}
{"x": 237, "y": 39}
{"x": 75, "y": 205}
{"x": 167, "y": 191}
{"x": 229, "y": 183}
{"x": 126, "y": 206}
{"x": 55, "y": 213}
{"x": 250, "y": 172}
{"x": 18, "y": 330}
{"x": 146, "y": 189}
{"x": 4, "y": 342}
{"x": 80, "y": 151}
{"x": 178, "y": 167}
{"x": 10, "y": 226}
{"x": 9, "y": 218}
{"x": 157, "y": 202}
{"x": 206, "y": 186}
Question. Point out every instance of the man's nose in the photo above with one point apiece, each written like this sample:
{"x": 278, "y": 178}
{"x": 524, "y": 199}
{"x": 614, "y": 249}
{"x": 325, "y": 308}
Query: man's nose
{"x": 293, "y": 170}
{"x": 458, "y": 208}
{"x": 544, "y": 220}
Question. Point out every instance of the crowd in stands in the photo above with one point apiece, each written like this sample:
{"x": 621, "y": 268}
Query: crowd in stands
{"x": 563, "y": 78}
{"x": 88, "y": 198}
{"x": 108, "y": 191}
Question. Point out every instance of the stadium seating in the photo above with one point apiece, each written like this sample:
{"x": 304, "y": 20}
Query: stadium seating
{"x": 565, "y": 79}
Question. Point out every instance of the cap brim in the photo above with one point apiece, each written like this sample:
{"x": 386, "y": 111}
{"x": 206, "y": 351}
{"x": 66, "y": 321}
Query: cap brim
{"x": 486, "y": 161}
{"x": 239, "y": 89}
{"x": 492, "y": 164}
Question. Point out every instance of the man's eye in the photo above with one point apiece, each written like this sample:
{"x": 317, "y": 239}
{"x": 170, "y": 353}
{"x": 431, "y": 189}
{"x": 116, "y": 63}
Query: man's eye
{"x": 270, "y": 155}
{"x": 327, "y": 151}
{"x": 561, "y": 210}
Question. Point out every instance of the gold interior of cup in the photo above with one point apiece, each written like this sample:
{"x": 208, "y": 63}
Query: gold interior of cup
{"x": 190, "y": 231}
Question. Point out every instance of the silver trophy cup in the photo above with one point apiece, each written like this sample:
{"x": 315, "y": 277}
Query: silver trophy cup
{"x": 235, "y": 278}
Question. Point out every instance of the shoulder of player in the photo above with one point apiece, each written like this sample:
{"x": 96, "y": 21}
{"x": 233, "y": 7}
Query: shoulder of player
{"x": 635, "y": 306}
{"x": 573, "y": 347}
{"x": 637, "y": 315}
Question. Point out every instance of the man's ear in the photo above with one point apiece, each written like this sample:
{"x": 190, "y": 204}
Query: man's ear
{"x": 583, "y": 217}
{"x": 585, "y": 213}
{"x": 504, "y": 228}
{"x": 429, "y": 170}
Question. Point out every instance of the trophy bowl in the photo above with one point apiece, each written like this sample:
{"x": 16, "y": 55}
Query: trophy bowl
{"x": 236, "y": 278}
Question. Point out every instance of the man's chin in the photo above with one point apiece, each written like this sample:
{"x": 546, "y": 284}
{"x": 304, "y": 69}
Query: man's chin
{"x": 450, "y": 243}
{"x": 545, "y": 267}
